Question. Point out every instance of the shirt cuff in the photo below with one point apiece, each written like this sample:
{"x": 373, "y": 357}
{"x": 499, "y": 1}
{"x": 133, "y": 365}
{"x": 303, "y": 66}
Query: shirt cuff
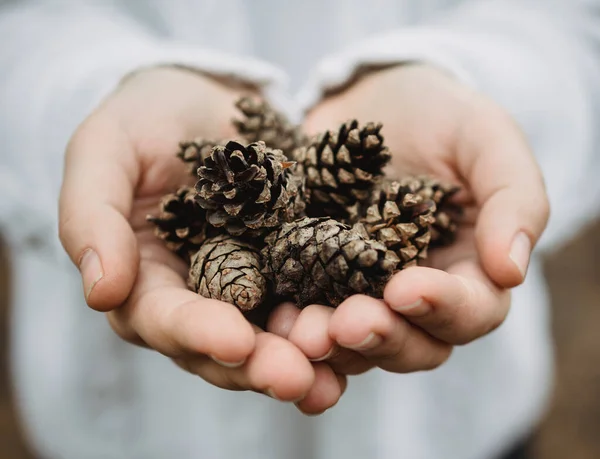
{"x": 424, "y": 45}
{"x": 67, "y": 98}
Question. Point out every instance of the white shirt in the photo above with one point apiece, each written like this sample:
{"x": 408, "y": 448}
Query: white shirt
{"x": 85, "y": 394}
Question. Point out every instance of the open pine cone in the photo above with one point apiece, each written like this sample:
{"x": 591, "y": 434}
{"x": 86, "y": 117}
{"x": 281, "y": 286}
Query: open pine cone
{"x": 244, "y": 227}
{"x": 320, "y": 260}
{"x": 229, "y": 270}
{"x": 400, "y": 219}
{"x": 249, "y": 187}
{"x": 181, "y": 223}
{"x": 193, "y": 153}
{"x": 342, "y": 167}
{"x": 261, "y": 122}
{"x": 447, "y": 213}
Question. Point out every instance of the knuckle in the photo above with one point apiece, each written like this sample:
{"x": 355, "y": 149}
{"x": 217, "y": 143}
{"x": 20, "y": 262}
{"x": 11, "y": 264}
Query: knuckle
{"x": 446, "y": 323}
{"x": 438, "y": 358}
{"x": 494, "y": 324}
{"x": 123, "y": 329}
{"x": 349, "y": 363}
{"x": 184, "y": 364}
{"x": 315, "y": 310}
{"x": 467, "y": 336}
{"x": 66, "y": 228}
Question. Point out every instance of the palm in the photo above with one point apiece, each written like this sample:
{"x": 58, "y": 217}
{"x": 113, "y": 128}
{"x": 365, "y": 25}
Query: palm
{"x": 433, "y": 125}
{"x": 119, "y": 164}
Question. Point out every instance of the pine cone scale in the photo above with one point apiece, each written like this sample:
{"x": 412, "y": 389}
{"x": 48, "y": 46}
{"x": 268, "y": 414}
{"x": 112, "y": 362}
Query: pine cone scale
{"x": 322, "y": 256}
{"x": 181, "y": 223}
{"x": 248, "y": 187}
{"x": 243, "y": 227}
{"x": 228, "y": 269}
{"x": 262, "y": 123}
{"x": 342, "y": 167}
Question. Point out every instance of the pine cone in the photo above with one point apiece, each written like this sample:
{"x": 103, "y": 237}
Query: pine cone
{"x": 249, "y": 187}
{"x": 341, "y": 168}
{"x": 229, "y": 270}
{"x": 320, "y": 260}
{"x": 181, "y": 223}
{"x": 447, "y": 214}
{"x": 401, "y": 219}
{"x": 262, "y": 122}
{"x": 194, "y": 153}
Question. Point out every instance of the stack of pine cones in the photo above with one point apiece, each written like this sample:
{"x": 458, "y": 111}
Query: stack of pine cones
{"x": 280, "y": 216}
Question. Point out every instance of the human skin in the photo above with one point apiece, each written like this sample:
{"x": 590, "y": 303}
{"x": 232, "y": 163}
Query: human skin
{"x": 433, "y": 124}
{"x": 118, "y": 164}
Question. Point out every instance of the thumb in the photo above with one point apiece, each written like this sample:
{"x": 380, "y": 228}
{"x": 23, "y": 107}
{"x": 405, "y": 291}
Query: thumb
{"x": 95, "y": 202}
{"x": 508, "y": 187}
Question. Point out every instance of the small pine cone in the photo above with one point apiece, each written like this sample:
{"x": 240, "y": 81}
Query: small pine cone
{"x": 341, "y": 169}
{"x": 262, "y": 122}
{"x": 229, "y": 270}
{"x": 401, "y": 219}
{"x": 320, "y": 260}
{"x": 181, "y": 223}
{"x": 249, "y": 187}
{"x": 194, "y": 153}
{"x": 447, "y": 214}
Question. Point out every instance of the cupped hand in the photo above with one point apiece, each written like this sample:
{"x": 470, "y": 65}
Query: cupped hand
{"x": 118, "y": 164}
{"x": 433, "y": 124}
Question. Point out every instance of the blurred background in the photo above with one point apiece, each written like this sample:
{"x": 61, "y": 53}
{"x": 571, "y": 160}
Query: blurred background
{"x": 571, "y": 428}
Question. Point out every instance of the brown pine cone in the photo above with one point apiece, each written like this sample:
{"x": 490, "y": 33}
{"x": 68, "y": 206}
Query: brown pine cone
{"x": 249, "y": 187}
{"x": 262, "y": 122}
{"x": 401, "y": 219}
{"x": 194, "y": 153}
{"x": 342, "y": 168}
{"x": 320, "y": 260}
{"x": 447, "y": 214}
{"x": 181, "y": 222}
{"x": 228, "y": 269}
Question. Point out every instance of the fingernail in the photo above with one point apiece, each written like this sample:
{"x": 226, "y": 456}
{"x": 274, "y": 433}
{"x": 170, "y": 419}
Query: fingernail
{"x": 372, "y": 340}
{"x": 91, "y": 271}
{"x": 520, "y": 252}
{"x": 326, "y": 356}
{"x": 271, "y": 393}
{"x": 228, "y": 364}
{"x": 312, "y": 415}
{"x": 417, "y": 308}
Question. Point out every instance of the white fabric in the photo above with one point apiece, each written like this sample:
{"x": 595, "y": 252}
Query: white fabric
{"x": 85, "y": 394}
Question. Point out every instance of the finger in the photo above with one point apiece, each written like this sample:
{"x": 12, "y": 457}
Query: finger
{"x": 177, "y": 322}
{"x": 276, "y": 368}
{"x": 457, "y": 306}
{"x": 282, "y": 319}
{"x": 507, "y": 184}
{"x": 95, "y": 201}
{"x": 310, "y": 333}
{"x": 369, "y": 326}
{"x": 325, "y": 392}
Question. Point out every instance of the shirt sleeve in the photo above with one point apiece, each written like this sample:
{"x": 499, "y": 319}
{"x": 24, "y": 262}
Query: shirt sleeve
{"x": 539, "y": 59}
{"x": 57, "y": 62}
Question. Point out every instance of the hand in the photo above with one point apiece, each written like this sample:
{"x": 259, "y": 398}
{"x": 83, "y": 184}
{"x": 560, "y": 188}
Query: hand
{"x": 434, "y": 125}
{"x": 118, "y": 165}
